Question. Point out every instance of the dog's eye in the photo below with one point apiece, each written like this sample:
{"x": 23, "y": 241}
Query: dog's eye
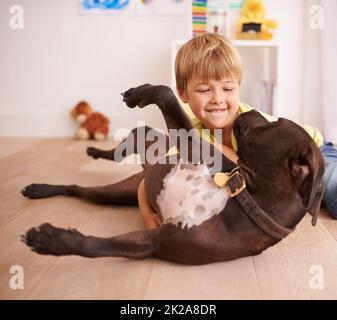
{"x": 249, "y": 141}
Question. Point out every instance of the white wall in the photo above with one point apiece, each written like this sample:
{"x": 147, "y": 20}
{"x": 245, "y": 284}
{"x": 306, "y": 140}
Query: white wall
{"x": 62, "y": 57}
{"x": 289, "y": 15}
{"x": 329, "y": 70}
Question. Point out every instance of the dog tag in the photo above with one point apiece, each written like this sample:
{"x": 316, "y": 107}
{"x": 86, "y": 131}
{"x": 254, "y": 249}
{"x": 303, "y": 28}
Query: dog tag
{"x": 221, "y": 179}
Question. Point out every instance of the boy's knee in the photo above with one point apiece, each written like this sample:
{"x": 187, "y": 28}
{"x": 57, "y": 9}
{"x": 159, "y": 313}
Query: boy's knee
{"x": 332, "y": 208}
{"x": 151, "y": 219}
{"x": 330, "y": 195}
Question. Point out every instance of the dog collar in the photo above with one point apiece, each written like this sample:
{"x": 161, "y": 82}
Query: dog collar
{"x": 237, "y": 188}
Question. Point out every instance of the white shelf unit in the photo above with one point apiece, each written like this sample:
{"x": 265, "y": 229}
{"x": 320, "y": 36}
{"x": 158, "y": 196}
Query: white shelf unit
{"x": 260, "y": 72}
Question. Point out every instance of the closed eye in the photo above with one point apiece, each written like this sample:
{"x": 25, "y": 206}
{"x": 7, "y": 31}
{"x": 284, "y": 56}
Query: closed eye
{"x": 249, "y": 141}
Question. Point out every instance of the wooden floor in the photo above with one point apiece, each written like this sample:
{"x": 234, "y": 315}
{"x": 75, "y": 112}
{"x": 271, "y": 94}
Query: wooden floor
{"x": 303, "y": 266}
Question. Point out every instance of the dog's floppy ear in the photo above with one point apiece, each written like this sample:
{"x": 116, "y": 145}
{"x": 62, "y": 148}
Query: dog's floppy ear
{"x": 305, "y": 172}
{"x": 315, "y": 206}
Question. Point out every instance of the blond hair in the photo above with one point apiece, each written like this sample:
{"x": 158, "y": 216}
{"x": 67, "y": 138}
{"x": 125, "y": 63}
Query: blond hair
{"x": 207, "y": 57}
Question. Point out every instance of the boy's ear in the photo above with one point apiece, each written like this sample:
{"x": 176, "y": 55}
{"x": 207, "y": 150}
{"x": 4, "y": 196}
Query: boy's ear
{"x": 182, "y": 95}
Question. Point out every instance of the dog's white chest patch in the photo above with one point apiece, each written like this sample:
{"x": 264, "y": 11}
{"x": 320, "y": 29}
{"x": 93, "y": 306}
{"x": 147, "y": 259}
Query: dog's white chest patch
{"x": 190, "y": 196}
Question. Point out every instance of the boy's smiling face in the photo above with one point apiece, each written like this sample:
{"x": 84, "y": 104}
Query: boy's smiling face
{"x": 215, "y": 102}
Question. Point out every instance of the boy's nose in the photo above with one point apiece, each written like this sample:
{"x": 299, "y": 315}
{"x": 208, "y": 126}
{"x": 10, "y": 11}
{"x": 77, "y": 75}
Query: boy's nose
{"x": 218, "y": 98}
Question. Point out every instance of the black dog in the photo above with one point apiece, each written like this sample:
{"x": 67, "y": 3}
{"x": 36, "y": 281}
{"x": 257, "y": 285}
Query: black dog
{"x": 278, "y": 180}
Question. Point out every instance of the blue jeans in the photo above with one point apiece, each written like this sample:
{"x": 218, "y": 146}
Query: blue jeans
{"x": 330, "y": 177}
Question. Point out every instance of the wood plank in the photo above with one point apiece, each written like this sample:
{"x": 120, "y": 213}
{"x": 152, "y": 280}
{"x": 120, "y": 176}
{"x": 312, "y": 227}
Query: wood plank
{"x": 142, "y": 279}
{"x": 286, "y": 270}
{"x": 42, "y": 162}
{"x": 12, "y": 145}
{"x": 61, "y": 213}
{"x": 329, "y": 222}
{"x": 281, "y": 272}
{"x": 223, "y": 280}
{"x": 103, "y": 278}
{"x": 52, "y": 161}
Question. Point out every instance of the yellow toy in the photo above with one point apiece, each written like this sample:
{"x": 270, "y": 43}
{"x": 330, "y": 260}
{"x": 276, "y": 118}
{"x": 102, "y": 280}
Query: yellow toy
{"x": 252, "y": 25}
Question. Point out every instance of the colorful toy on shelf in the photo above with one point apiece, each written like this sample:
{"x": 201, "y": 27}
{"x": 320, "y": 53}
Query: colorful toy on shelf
{"x": 199, "y": 17}
{"x": 253, "y": 25}
{"x": 94, "y": 125}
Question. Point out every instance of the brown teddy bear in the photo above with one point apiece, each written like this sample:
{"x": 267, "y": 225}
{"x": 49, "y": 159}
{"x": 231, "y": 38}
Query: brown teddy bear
{"x": 94, "y": 125}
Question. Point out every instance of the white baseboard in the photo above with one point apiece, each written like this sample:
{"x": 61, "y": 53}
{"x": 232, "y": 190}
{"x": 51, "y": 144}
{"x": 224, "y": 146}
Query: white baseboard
{"x": 36, "y": 126}
{"x": 58, "y": 126}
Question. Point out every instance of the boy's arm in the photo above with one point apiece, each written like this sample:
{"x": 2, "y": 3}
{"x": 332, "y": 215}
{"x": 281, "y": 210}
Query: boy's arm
{"x": 151, "y": 219}
{"x": 228, "y": 152}
{"x": 315, "y": 134}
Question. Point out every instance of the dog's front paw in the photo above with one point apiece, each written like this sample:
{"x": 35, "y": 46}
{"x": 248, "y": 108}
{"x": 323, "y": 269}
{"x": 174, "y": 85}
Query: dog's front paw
{"x": 140, "y": 96}
{"x": 48, "y": 239}
{"x": 93, "y": 152}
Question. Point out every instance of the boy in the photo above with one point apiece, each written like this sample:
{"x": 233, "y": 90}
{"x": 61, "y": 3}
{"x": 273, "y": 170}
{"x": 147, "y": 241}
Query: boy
{"x": 208, "y": 76}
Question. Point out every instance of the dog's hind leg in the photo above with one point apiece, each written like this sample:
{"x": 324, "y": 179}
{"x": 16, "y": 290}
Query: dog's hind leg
{"x": 120, "y": 193}
{"x": 50, "y": 240}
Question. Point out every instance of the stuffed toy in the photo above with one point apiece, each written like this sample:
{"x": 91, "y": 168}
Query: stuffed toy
{"x": 94, "y": 125}
{"x": 253, "y": 25}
